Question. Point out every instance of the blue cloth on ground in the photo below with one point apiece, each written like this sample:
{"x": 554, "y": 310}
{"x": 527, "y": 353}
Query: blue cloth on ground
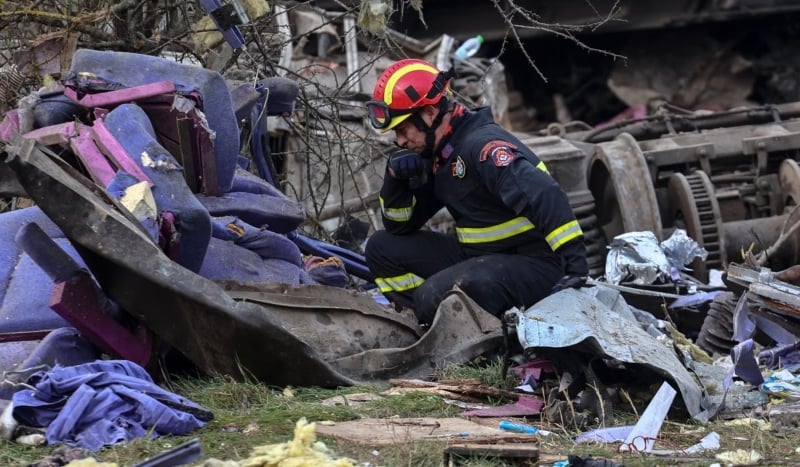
{"x": 102, "y": 403}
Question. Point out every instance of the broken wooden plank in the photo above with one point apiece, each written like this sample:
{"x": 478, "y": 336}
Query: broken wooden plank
{"x": 382, "y": 431}
{"x": 468, "y": 387}
{"x": 95, "y": 162}
{"x": 121, "y": 96}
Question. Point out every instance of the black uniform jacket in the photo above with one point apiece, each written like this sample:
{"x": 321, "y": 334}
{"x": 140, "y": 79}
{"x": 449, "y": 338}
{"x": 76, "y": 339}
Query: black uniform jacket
{"x": 500, "y": 194}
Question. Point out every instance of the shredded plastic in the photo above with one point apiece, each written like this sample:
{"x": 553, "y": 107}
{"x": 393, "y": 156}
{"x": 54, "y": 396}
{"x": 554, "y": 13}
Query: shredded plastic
{"x": 90, "y": 462}
{"x": 739, "y": 457}
{"x": 373, "y": 15}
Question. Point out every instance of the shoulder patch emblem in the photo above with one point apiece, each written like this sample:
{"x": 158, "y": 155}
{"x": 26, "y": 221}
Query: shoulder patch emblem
{"x": 447, "y": 150}
{"x": 458, "y": 167}
{"x": 501, "y": 152}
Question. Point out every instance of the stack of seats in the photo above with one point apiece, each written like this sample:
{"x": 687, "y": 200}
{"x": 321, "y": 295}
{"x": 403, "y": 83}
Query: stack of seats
{"x": 207, "y": 245}
{"x": 237, "y": 235}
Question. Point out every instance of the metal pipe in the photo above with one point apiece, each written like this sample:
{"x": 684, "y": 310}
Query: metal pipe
{"x": 762, "y": 232}
{"x": 286, "y": 30}
{"x": 351, "y": 53}
{"x": 655, "y": 126}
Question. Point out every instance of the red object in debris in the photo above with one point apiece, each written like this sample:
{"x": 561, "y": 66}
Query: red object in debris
{"x": 100, "y": 170}
{"x": 533, "y": 369}
{"x": 525, "y": 406}
{"x": 118, "y": 155}
{"x": 121, "y": 96}
{"x": 76, "y": 300}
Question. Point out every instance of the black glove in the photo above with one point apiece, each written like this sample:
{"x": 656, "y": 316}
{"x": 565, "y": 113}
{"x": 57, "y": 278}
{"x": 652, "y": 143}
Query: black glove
{"x": 570, "y": 281}
{"x": 405, "y": 164}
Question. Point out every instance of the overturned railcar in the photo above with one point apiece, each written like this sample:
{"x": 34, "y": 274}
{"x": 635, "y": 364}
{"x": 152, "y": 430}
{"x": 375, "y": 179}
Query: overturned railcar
{"x": 730, "y": 179}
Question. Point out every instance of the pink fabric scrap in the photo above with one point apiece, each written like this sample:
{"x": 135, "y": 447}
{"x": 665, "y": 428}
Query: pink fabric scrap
{"x": 525, "y": 405}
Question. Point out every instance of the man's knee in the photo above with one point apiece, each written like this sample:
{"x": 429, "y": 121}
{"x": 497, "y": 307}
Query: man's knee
{"x": 427, "y": 298}
{"x": 377, "y": 245}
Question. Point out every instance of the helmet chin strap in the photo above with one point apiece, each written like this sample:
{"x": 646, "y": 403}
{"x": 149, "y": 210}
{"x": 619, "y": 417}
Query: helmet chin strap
{"x": 430, "y": 130}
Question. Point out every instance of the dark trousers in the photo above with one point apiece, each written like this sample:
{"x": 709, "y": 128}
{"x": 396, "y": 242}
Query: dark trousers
{"x": 496, "y": 282}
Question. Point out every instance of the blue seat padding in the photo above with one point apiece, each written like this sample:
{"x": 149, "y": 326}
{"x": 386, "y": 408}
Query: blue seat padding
{"x": 256, "y": 202}
{"x": 226, "y": 261}
{"x": 265, "y": 243}
{"x": 63, "y": 346}
{"x": 249, "y": 183}
{"x": 130, "y": 69}
{"x": 274, "y": 213}
{"x": 129, "y": 124}
{"x": 25, "y": 288}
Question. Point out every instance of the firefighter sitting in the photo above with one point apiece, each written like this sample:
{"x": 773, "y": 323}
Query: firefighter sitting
{"x": 517, "y": 239}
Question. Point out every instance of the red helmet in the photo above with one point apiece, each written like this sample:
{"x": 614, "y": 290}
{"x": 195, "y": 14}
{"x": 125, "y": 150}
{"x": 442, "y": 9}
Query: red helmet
{"x": 404, "y": 87}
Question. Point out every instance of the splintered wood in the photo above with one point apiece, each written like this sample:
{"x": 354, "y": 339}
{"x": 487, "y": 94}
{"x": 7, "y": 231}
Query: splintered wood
{"x": 381, "y": 431}
{"x": 465, "y": 390}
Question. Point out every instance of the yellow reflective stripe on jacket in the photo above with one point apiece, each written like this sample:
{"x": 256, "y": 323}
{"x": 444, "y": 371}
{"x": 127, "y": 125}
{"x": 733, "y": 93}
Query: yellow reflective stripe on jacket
{"x": 399, "y": 283}
{"x": 542, "y": 167}
{"x": 494, "y": 233}
{"x": 563, "y": 234}
{"x": 398, "y": 214}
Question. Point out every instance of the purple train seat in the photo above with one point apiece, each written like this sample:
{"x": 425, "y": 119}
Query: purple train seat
{"x": 25, "y": 288}
{"x": 130, "y": 70}
{"x": 132, "y": 128}
{"x": 239, "y": 252}
{"x": 277, "y": 214}
{"x": 226, "y": 261}
{"x": 258, "y": 203}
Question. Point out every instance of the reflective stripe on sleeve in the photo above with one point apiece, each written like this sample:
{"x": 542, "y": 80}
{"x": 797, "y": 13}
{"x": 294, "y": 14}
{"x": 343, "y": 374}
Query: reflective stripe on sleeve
{"x": 542, "y": 167}
{"x": 494, "y": 233}
{"x": 563, "y": 234}
{"x": 399, "y": 283}
{"x": 398, "y": 214}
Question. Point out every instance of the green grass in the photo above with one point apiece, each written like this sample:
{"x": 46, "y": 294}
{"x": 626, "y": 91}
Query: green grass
{"x": 249, "y": 414}
{"x": 488, "y": 372}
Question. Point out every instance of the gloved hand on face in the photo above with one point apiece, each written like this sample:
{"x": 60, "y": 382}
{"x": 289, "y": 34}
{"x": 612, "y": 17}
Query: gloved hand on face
{"x": 405, "y": 164}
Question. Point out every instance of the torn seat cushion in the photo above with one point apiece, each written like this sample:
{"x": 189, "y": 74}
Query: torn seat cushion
{"x": 130, "y": 69}
{"x": 274, "y": 213}
{"x": 25, "y": 288}
{"x": 131, "y": 127}
{"x": 226, "y": 261}
{"x": 256, "y": 202}
{"x": 265, "y": 243}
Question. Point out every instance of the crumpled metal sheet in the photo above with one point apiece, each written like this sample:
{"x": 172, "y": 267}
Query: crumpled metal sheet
{"x": 461, "y": 331}
{"x": 636, "y": 255}
{"x": 191, "y": 313}
{"x": 585, "y": 321}
{"x": 681, "y": 249}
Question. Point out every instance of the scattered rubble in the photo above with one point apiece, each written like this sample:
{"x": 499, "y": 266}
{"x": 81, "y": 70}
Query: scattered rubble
{"x": 159, "y": 223}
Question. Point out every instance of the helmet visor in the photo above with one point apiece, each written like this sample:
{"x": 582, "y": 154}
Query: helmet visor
{"x": 381, "y": 116}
